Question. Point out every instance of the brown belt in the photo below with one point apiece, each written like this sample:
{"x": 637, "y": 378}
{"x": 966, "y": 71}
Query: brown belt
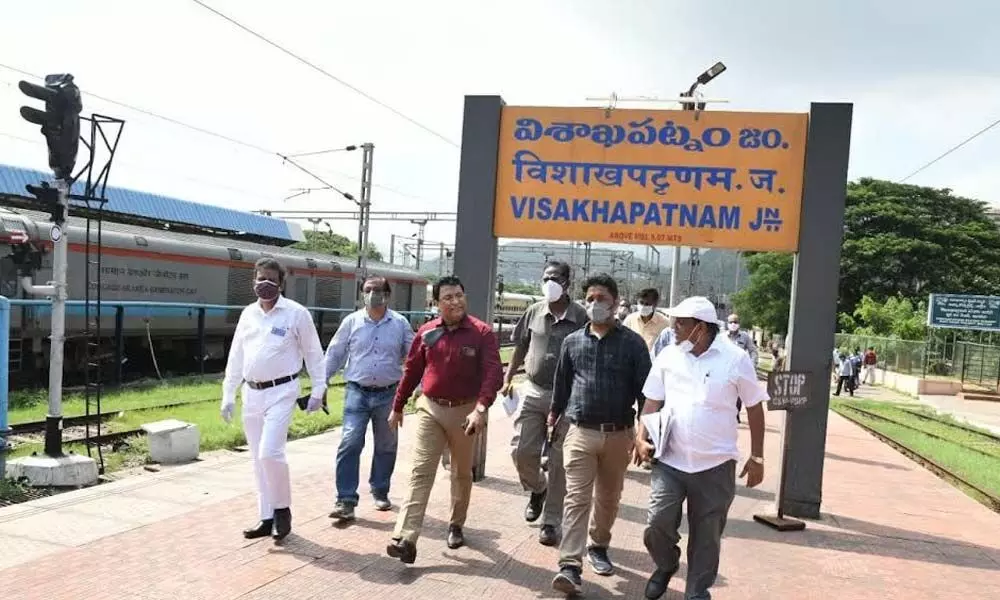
{"x": 451, "y": 403}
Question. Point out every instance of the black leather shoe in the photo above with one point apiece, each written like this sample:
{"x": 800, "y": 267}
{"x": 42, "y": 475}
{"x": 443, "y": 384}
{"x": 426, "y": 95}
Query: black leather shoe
{"x": 455, "y": 537}
{"x": 403, "y": 550}
{"x": 282, "y": 523}
{"x": 534, "y": 508}
{"x": 657, "y": 584}
{"x": 261, "y": 529}
{"x": 548, "y": 535}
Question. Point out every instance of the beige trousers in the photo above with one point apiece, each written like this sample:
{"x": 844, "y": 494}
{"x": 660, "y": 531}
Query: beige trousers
{"x": 437, "y": 427}
{"x": 595, "y": 465}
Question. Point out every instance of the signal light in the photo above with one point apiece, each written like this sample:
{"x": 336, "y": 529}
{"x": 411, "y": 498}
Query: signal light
{"x": 48, "y": 198}
{"x": 60, "y": 121}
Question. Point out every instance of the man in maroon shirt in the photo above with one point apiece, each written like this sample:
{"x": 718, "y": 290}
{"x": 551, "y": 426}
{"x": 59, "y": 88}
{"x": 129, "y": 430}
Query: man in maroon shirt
{"x": 456, "y": 360}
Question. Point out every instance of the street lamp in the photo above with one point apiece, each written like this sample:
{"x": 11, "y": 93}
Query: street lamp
{"x": 710, "y": 74}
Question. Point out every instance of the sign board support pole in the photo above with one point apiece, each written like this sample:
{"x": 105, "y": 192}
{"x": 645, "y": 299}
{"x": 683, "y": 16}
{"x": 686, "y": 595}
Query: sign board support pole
{"x": 813, "y": 308}
{"x": 475, "y": 244}
{"x": 779, "y": 521}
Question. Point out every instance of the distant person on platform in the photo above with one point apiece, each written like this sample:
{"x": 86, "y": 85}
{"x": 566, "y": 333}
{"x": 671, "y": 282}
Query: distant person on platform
{"x": 697, "y": 380}
{"x": 647, "y": 322}
{"x": 455, "y": 358}
{"x": 744, "y": 340}
{"x": 538, "y": 337}
{"x": 870, "y": 362}
{"x": 273, "y": 337}
{"x": 372, "y": 342}
{"x": 598, "y": 383}
{"x": 845, "y": 372}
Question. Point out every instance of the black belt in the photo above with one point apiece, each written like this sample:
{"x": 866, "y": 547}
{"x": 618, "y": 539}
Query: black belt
{"x": 263, "y": 385}
{"x": 604, "y": 427}
{"x": 373, "y": 390}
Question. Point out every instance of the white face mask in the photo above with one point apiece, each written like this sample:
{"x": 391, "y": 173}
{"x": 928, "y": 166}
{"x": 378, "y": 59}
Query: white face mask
{"x": 598, "y": 312}
{"x": 552, "y": 290}
{"x": 734, "y": 327}
{"x": 687, "y": 345}
{"x": 645, "y": 310}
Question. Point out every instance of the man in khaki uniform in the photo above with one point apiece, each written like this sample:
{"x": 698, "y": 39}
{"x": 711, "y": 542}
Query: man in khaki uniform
{"x": 537, "y": 338}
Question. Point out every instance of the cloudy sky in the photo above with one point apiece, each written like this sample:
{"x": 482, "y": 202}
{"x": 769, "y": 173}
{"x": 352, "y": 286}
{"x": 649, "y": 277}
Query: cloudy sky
{"x": 923, "y": 76}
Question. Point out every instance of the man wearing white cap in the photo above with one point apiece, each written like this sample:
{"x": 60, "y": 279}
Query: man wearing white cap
{"x": 697, "y": 380}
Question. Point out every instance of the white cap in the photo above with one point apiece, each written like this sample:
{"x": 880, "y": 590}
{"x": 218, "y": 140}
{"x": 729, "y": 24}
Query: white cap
{"x": 695, "y": 307}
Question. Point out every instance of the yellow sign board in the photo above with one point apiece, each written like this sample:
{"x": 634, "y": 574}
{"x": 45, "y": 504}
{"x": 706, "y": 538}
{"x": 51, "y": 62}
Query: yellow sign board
{"x": 721, "y": 180}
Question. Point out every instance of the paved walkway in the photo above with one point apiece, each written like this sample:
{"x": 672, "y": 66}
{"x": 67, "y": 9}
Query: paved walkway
{"x": 890, "y": 530}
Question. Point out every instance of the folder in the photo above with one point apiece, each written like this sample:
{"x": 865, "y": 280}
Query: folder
{"x": 659, "y": 425}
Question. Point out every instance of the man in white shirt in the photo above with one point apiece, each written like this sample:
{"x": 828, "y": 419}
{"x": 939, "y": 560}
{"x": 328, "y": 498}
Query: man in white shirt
{"x": 273, "y": 337}
{"x": 697, "y": 382}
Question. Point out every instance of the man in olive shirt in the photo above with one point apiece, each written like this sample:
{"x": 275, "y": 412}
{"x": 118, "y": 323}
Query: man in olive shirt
{"x": 538, "y": 337}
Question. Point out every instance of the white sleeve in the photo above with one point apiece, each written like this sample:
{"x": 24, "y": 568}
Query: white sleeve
{"x": 312, "y": 352}
{"x": 234, "y": 365}
{"x": 653, "y": 388}
{"x": 749, "y": 388}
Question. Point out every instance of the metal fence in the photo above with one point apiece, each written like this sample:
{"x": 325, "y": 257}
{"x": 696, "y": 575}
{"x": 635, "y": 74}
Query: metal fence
{"x": 941, "y": 355}
{"x": 910, "y": 357}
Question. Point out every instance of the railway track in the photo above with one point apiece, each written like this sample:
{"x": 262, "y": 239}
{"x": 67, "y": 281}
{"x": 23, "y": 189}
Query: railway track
{"x": 992, "y": 500}
{"x": 989, "y": 439}
{"x": 34, "y": 427}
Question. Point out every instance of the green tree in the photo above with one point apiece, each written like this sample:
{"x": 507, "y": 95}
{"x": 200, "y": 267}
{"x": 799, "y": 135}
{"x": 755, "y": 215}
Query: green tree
{"x": 333, "y": 243}
{"x": 764, "y": 302}
{"x": 896, "y": 317}
{"x": 901, "y": 242}
{"x": 909, "y": 241}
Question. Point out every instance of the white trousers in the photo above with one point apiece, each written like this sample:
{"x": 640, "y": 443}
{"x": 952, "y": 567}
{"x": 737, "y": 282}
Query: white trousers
{"x": 266, "y": 416}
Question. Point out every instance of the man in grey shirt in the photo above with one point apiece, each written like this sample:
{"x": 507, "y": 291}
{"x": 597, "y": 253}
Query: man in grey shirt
{"x": 744, "y": 340}
{"x": 537, "y": 338}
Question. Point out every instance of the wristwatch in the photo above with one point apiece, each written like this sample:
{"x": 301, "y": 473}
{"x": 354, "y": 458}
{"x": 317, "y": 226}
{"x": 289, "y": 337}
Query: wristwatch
{"x": 757, "y": 459}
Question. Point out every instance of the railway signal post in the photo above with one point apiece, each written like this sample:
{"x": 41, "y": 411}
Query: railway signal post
{"x": 60, "y": 124}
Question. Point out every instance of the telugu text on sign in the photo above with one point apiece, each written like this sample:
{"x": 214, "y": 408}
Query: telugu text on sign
{"x": 723, "y": 180}
{"x": 956, "y": 311}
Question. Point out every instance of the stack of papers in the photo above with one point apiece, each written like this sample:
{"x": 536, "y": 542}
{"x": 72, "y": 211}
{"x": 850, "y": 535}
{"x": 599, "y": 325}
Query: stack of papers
{"x": 510, "y": 403}
{"x": 658, "y": 425}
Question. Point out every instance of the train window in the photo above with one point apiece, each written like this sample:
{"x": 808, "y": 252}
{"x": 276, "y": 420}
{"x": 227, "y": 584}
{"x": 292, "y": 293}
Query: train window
{"x": 235, "y": 254}
{"x": 141, "y": 241}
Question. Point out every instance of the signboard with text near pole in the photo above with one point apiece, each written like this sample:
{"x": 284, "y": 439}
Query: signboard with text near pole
{"x": 788, "y": 390}
{"x": 959, "y": 311}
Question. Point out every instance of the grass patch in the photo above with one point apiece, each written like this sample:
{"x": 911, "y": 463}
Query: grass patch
{"x": 982, "y": 471}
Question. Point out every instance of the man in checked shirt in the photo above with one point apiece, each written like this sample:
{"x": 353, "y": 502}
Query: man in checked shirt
{"x": 456, "y": 360}
{"x": 598, "y": 382}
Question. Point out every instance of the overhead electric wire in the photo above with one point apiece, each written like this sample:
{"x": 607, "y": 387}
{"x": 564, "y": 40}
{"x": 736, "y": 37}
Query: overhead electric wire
{"x": 323, "y": 71}
{"x": 202, "y": 130}
{"x": 956, "y": 147}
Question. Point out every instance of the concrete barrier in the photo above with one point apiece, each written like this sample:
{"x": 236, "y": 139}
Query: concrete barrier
{"x": 172, "y": 441}
{"x": 917, "y": 386}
